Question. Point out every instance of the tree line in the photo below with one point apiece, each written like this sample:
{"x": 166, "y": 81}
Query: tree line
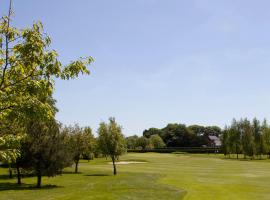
{"x": 173, "y": 135}
{"x": 32, "y": 141}
{"x": 250, "y": 138}
{"x": 47, "y": 148}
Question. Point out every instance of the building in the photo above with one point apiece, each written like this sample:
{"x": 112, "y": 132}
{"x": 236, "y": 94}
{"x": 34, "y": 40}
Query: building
{"x": 214, "y": 141}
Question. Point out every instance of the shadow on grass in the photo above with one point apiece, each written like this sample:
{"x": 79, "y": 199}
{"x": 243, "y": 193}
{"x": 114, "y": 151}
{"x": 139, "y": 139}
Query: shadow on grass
{"x": 24, "y": 186}
{"x": 245, "y": 159}
{"x": 68, "y": 172}
{"x": 5, "y": 177}
{"x": 97, "y": 175}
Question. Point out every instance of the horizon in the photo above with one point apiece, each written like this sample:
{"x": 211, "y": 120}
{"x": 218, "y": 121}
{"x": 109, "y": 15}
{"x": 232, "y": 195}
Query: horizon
{"x": 190, "y": 62}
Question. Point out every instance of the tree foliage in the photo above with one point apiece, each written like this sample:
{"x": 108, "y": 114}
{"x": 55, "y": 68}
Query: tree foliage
{"x": 248, "y": 138}
{"x": 111, "y": 141}
{"x": 180, "y": 135}
{"x": 44, "y": 150}
{"x": 28, "y": 65}
{"x": 81, "y": 142}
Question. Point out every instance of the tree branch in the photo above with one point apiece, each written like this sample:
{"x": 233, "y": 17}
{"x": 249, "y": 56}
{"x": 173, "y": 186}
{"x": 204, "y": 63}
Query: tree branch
{"x": 7, "y": 45}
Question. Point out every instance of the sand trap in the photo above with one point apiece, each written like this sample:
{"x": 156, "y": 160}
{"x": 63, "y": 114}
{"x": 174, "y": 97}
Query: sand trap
{"x": 127, "y": 162}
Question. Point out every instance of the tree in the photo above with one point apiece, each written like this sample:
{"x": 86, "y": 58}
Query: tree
{"x": 235, "y": 137}
{"x": 157, "y": 141}
{"x": 111, "y": 141}
{"x": 152, "y": 131}
{"x": 10, "y": 151}
{"x": 257, "y": 135}
{"x": 132, "y": 142}
{"x": 27, "y": 63}
{"x": 177, "y": 135}
{"x": 226, "y": 141}
{"x": 80, "y": 142}
{"x": 249, "y": 147}
{"x": 143, "y": 143}
{"x": 44, "y": 150}
{"x": 264, "y": 146}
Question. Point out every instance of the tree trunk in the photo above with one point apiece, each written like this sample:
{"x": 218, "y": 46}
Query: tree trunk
{"x": 114, "y": 167}
{"x": 237, "y": 155}
{"x": 18, "y": 175}
{"x": 10, "y": 172}
{"x": 39, "y": 180}
{"x": 76, "y": 166}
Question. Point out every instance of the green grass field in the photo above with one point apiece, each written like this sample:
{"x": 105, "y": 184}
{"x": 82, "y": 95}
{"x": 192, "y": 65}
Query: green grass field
{"x": 164, "y": 176}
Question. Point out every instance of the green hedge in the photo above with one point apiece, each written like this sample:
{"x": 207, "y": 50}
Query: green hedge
{"x": 179, "y": 149}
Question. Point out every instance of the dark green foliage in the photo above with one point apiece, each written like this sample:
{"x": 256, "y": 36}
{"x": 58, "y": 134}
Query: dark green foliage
{"x": 179, "y": 135}
{"x": 143, "y": 143}
{"x": 80, "y": 142}
{"x": 44, "y": 150}
{"x": 151, "y": 131}
{"x": 250, "y": 138}
{"x": 111, "y": 141}
{"x": 156, "y": 141}
{"x": 132, "y": 142}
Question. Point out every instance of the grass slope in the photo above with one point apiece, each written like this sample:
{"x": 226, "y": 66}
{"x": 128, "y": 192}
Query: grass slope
{"x": 164, "y": 176}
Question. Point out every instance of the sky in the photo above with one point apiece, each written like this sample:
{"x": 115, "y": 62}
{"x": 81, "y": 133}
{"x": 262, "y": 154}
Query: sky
{"x": 158, "y": 61}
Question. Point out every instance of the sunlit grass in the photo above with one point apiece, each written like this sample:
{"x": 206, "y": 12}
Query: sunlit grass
{"x": 163, "y": 176}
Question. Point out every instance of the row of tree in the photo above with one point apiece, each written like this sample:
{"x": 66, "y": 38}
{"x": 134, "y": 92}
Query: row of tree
{"x": 31, "y": 139}
{"x": 250, "y": 138}
{"x": 47, "y": 148}
{"x": 153, "y": 142}
{"x": 180, "y": 135}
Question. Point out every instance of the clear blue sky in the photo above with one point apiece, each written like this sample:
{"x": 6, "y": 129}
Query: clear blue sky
{"x": 158, "y": 61}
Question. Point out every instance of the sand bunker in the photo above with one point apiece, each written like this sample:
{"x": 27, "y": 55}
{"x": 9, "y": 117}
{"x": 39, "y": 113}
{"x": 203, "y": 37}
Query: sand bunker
{"x": 127, "y": 162}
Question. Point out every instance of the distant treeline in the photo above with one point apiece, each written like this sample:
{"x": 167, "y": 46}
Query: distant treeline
{"x": 250, "y": 138}
{"x": 174, "y": 135}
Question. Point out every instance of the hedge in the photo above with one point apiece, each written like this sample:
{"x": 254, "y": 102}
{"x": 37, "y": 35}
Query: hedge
{"x": 179, "y": 149}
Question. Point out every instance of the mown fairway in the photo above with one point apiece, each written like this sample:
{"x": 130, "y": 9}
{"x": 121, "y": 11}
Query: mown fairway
{"x": 164, "y": 176}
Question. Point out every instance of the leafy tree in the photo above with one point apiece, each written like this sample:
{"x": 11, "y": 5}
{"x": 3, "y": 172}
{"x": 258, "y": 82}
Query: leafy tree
{"x": 264, "y": 146}
{"x": 226, "y": 141}
{"x": 132, "y": 142}
{"x": 157, "y": 141}
{"x": 177, "y": 135}
{"x": 44, "y": 150}
{"x": 111, "y": 141}
{"x": 249, "y": 147}
{"x": 10, "y": 152}
{"x": 235, "y": 138}
{"x": 27, "y": 63}
{"x": 257, "y": 135}
{"x": 80, "y": 142}
{"x": 152, "y": 131}
{"x": 143, "y": 143}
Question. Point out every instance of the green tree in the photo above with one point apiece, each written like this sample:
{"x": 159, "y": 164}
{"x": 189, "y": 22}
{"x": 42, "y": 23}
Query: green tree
{"x": 27, "y": 63}
{"x": 152, "y": 131}
{"x": 235, "y": 138}
{"x": 81, "y": 142}
{"x": 264, "y": 146}
{"x": 132, "y": 142}
{"x": 143, "y": 143}
{"x": 111, "y": 141}
{"x": 10, "y": 151}
{"x": 44, "y": 150}
{"x": 156, "y": 141}
{"x": 248, "y": 141}
{"x": 226, "y": 141}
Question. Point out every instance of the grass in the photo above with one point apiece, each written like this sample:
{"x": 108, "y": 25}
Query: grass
{"x": 163, "y": 176}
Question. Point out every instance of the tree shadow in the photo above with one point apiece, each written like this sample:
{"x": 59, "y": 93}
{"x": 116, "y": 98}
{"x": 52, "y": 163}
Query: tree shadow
{"x": 68, "y": 172}
{"x": 24, "y": 186}
{"x": 97, "y": 175}
{"x": 2, "y": 176}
